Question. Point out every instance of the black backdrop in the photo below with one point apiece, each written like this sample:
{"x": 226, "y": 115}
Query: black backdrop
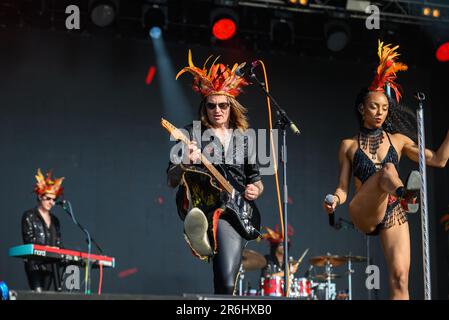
{"x": 79, "y": 105}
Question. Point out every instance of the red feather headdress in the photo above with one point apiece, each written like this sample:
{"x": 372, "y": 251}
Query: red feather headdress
{"x": 275, "y": 236}
{"x": 48, "y": 185}
{"x": 386, "y": 71}
{"x": 219, "y": 79}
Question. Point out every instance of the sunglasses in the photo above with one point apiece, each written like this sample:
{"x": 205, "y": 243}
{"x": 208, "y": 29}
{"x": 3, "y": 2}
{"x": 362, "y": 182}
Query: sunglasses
{"x": 48, "y": 198}
{"x": 222, "y": 106}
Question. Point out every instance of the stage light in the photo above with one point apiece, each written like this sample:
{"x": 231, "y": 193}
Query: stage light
{"x": 298, "y": 2}
{"x": 103, "y": 13}
{"x": 436, "y": 13}
{"x": 357, "y": 5}
{"x": 442, "y": 53}
{"x": 337, "y": 35}
{"x": 154, "y": 19}
{"x": 224, "y": 29}
{"x": 426, "y": 11}
{"x": 224, "y": 23}
{"x": 282, "y": 32}
{"x": 155, "y": 32}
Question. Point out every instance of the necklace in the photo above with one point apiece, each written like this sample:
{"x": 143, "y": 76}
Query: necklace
{"x": 371, "y": 137}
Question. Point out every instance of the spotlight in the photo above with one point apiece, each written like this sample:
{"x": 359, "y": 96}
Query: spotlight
{"x": 337, "y": 35}
{"x": 436, "y": 13}
{"x": 442, "y": 53}
{"x": 102, "y": 12}
{"x": 154, "y": 19}
{"x": 426, "y": 11}
{"x": 282, "y": 32}
{"x": 224, "y": 23}
{"x": 296, "y": 2}
{"x": 155, "y": 32}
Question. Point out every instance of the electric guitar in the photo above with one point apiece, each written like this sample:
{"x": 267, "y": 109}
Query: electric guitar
{"x": 209, "y": 190}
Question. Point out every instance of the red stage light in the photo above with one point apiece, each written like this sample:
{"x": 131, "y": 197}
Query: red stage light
{"x": 150, "y": 75}
{"x": 224, "y": 29}
{"x": 443, "y": 52}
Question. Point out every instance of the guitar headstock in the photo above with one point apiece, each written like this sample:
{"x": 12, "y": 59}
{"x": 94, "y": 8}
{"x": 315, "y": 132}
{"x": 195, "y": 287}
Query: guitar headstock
{"x": 175, "y": 132}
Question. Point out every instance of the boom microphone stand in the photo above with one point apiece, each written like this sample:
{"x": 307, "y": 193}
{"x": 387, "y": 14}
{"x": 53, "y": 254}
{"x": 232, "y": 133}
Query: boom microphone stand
{"x": 282, "y": 123}
{"x": 67, "y": 207}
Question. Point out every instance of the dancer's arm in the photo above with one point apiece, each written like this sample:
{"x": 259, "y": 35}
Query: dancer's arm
{"x": 436, "y": 159}
{"x": 341, "y": 192}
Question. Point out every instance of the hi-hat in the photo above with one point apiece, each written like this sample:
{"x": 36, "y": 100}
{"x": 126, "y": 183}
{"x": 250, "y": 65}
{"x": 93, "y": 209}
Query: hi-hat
{"x": 325, "y": 276}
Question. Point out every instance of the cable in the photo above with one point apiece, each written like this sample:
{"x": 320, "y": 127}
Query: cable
{"x": 276, "y": 177}
{"x": 89, "y": 248}
{"x": 101, "y": 279}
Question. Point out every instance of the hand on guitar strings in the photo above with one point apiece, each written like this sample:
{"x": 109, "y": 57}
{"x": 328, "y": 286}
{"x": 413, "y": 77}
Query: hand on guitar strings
{"x": 194, "y": 152}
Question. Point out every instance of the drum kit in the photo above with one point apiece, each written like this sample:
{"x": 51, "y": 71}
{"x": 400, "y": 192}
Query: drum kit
{"x": 314, "y": 286}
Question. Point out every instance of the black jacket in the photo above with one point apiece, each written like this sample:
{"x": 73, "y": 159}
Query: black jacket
{"x": 34, "y": 230}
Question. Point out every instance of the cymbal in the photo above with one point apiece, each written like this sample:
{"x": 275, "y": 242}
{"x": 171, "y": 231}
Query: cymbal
{"x": 253, "y": 260}
{"x": 321, "y": 261}
{"x": 325, "y": 276}
{"x": 355, "y": 258}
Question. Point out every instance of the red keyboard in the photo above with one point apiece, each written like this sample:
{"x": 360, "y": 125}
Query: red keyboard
{"x": 53, "y": 254}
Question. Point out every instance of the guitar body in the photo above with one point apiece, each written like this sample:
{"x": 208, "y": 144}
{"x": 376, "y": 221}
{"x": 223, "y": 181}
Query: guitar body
{"x": 205, "y": 194}
{"x": 202, "y": 191}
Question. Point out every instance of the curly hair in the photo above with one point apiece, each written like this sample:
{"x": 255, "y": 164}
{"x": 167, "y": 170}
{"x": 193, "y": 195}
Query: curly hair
{"x": 400, "y": 118}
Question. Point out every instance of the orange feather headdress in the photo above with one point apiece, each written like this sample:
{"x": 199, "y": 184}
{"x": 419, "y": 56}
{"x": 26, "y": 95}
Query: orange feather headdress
{"x": 386, "y": 71}
{"x": 219, "y": 79}
{"x": 48, "y": 185}
{"x": 275, "y": 236}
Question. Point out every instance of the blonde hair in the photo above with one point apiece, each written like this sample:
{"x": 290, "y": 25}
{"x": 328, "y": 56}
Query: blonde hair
{"x": 237, "y": 114}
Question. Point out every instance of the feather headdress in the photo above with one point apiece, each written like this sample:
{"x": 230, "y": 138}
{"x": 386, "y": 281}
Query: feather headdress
{"x": 386, "y": 71}
{"x": 48, "y": 185}
{"x": 275, "y": 236}
{"x": 219, "y": 79}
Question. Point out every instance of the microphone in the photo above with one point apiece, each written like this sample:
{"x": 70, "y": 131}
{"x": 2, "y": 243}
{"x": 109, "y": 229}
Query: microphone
{"x": 294, "y": 128}
{"x": 330, "y": 200}
{"x": 241, "y": 71}
{"x": 61, "y": 203}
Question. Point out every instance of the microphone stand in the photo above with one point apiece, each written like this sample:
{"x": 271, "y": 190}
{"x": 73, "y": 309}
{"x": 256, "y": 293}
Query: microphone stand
{"x": 283, "y": 122}
{"x": 67, "y": 207}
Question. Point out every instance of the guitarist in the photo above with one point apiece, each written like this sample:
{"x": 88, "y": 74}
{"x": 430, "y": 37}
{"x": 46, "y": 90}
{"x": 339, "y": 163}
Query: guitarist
{"x": 213, "y": 235}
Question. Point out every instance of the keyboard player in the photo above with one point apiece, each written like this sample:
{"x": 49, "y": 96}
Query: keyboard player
{"x": 40, "y": 226}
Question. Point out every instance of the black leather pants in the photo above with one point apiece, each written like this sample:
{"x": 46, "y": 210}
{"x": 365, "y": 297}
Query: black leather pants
{"x": 226, "y": 262}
